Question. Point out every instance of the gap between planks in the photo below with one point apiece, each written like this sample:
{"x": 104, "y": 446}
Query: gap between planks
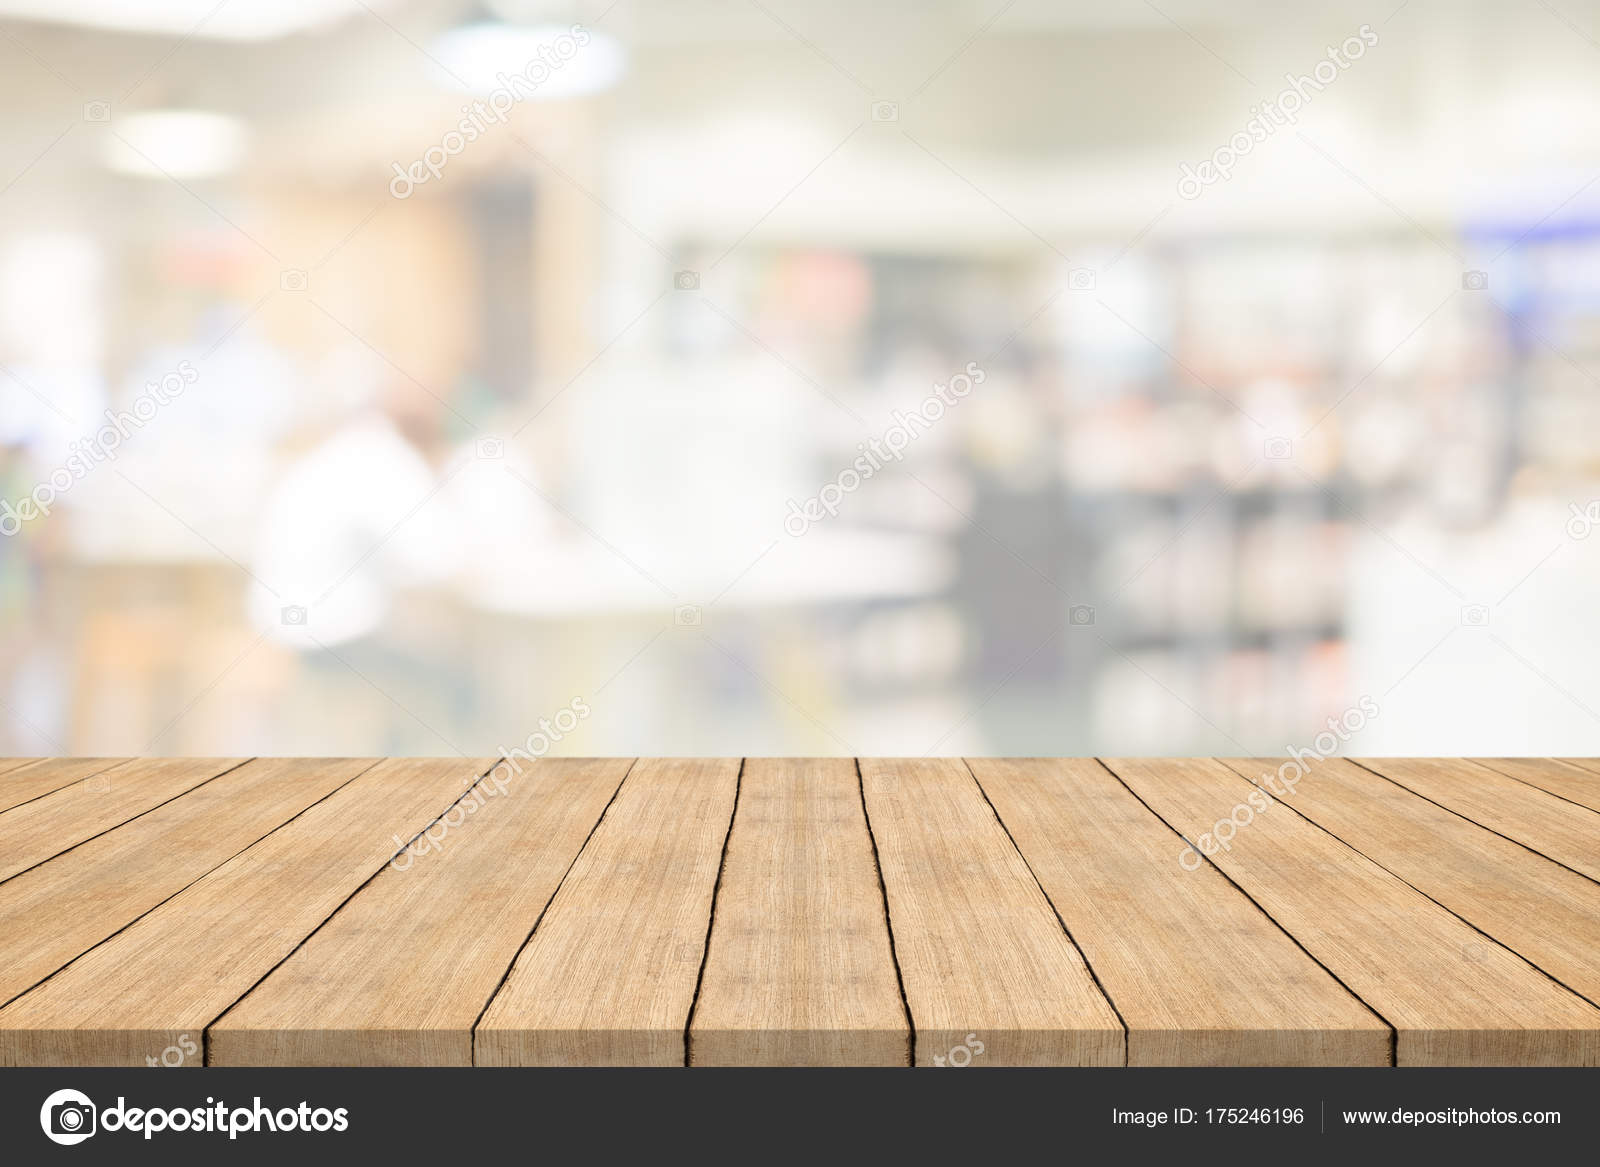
{"x": 905, "y": 984}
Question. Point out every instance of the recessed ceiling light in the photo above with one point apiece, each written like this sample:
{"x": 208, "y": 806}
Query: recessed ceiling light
{"x": 182, "y": 143}
{"x": 552, "y": 60}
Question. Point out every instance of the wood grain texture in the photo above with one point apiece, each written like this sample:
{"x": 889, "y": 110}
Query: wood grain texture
{"x": 54, "y": 912}
{"x": 1552, "y": 826}
{"x": 252, "y": 908}
{"x": 981, "y": 951}
{"x": 609, "y": 976}
{"x": 799, "y": 970}
{"x": 175, "y": 970}
{"x": 1569, "y": 778}
{"x": 1199, "y": 974}
{"x": 1548, "y": 915}
{"x": 24, "y": 779}
{"x": 1453, "y": 995}
{"x": 401, "y": 973}
{"x": 104, "y": 798}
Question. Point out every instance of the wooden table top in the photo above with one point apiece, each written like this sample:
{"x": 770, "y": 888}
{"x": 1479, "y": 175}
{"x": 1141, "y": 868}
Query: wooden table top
{"x": 1179, "y": 911}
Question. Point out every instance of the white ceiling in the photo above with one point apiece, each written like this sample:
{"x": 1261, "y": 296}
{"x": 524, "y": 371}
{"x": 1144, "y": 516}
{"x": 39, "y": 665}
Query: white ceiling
{"x": 744, "y": 20}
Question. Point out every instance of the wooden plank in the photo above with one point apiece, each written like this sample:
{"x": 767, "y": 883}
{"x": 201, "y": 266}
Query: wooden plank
{"x": 63, "y": 907}
{"x": 609, "y": 976}
{"x": 1569, "y": 778}
{"x": 400, "y": 974}
{"x": 981, "y": 951}
{"x": 49, "y": 825}
{"x": 172, "y": 972}
{"x": 1564, "y": 831}
{"x": 32, "y": 778}
{"x": 1453, "y": 995}
{"x": 799, "y": 971}
{"x": 1548, "y": 915}
{"x": 1170, "y": 944}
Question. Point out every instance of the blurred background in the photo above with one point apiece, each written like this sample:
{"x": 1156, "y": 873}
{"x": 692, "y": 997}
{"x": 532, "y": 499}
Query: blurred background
{"x": 440, "y": 397}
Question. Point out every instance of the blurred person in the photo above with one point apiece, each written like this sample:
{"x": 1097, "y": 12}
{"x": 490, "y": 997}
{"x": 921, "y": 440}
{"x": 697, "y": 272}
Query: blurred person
{"x": 350, "y": 519}
{"x": 350, "y": 522}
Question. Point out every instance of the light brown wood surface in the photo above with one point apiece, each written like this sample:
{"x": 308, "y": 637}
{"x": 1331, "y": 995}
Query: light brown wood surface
{"x": 1545, "y": 913}
{"x": 609, "y": 976}
{"x": 432, "y": 934}
{"x": 59, "y": 909}
{"x": 1169, "y": 944}
{"x": 982, "y": 955}
{"x": 105, "y": 798}
{"x": 24, "y": 779}
{"x": 175, "y": 970}
{"x": 798, "y": 912}
{"x": 1552, "y": 826}
{"x": 799, "y": 970}
{"x": 1569, "y": 778}
{"x": 1592, "y": 765}
{"x": 1453, "y": 995}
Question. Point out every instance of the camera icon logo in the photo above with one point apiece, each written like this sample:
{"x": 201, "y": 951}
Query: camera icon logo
{"x": 686, "y": 281}
{"x": 294, "y": 615}
{"x": 97, "y": 784}
{"x": 885, "y": 111}
{"x": 1277, "y": 449}
{"x": 1081, "y": 279}
{"x": 67, "y": 1117}
{"x": 686, "y": 616}
{"x": 97, "y": 111}
{"x": 1475, "y": 281}
{"x": 489, "y": 449}
{"x": 1475, "y": 615}
{"x": 1081, "y": 615}
{"x": 293, "y": 279}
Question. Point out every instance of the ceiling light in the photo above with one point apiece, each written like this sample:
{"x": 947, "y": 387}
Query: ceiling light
{"x": 180, "y": 143}
{"x": 205, "y": 19}
{"x": 551, "y": 60}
